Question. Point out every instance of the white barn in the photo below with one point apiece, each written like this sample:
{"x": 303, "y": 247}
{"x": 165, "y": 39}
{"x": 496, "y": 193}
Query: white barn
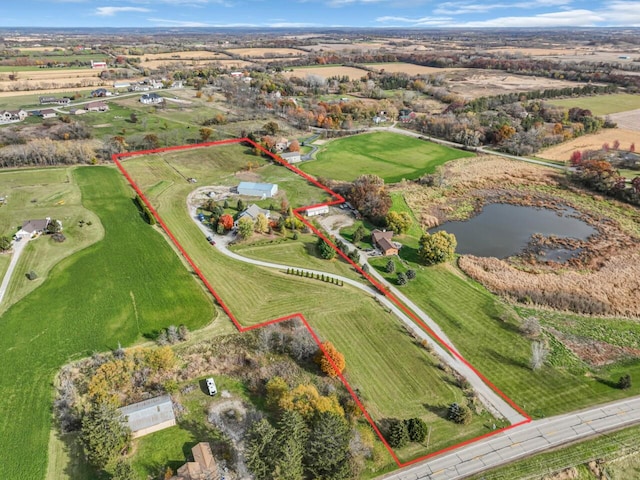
{"x": 291, "y": 157}
{"x": 320, "y": 210}
{"x": 262, "y": 190}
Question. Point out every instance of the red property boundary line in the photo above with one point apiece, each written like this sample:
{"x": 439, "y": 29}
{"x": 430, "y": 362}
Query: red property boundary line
{"x": 298, "y": 212}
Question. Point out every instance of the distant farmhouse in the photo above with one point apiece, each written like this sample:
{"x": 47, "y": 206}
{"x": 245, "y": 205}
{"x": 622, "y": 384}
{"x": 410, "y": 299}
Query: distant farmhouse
{"x": 262, "y": 190}
{"x": 406, "y": 115}
{"x": 100, "y": 92}
{"x": 151, "y": 98}
{"x": 149, "y": 416}
{"x": 252, "y": 212}
{"x": 11, "y": 116}
{"x": 98, "y": 64}
{"x": 48, "y": 113}
{"x": 203, "y": 467}
{"x": 291, "y": 157}
{"x": 97, "y": 107}
{"x": 382, "y": 240}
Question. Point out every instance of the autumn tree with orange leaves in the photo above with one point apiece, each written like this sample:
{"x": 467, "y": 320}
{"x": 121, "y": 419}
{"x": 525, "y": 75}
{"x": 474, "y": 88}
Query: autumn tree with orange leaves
{"x": 325, "y": 365}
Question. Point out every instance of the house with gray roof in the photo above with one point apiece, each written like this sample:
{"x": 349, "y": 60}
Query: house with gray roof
{"x": 252, "y": 211}
{"x": 32, "y": 228}
{"x": 149, "y": 416}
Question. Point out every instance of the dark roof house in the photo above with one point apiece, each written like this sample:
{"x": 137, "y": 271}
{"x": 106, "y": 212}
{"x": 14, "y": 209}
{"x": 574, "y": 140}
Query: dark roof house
{"x": 31, "y": 228}
{"x": 203, "y": 467}
{"x": 382, "y": 239}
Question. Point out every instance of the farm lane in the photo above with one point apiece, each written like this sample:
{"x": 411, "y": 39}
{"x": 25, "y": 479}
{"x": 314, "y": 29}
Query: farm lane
{"x": 524, "y": 441}
{"x": 18, "y": 248}
{"x": 492, "y": 401}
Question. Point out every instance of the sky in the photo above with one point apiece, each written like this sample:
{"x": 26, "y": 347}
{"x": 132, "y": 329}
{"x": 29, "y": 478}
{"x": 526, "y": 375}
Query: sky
{"x": 320, "y": 13}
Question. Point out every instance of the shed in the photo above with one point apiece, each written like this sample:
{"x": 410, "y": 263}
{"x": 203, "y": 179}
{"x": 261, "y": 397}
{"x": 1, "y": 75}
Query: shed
{"x": 291, "y": 157}
{"x": 149, "y": 416}
{"x": 262, "y": 190}
{"x": 320, "y": 210}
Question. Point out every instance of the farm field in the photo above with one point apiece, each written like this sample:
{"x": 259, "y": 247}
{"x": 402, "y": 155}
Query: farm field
{"x": 132, "y": 285}
{"x": 351, "y": 320}
{"x": 563, "y": 151}
{"x": 629, "y": 120}
{"x": 388, "y": 155}
{"x": 602, "y": 104}
{"x": 326, "y": 72}
{"x": 267, "y": 52}
{"x": 471, "y": 318}
{"x": 410, "y": 68}
{"x": 41, "y": 193}
{"x": 186, "y": 55}
{"x": 13, "y": 98}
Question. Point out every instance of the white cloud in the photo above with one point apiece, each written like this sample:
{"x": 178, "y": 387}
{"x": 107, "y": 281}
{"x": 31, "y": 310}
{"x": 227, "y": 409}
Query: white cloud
{"x": 163, "y": 22}
{"x": 462, "y": 8}
{"x": 111, "y": 11}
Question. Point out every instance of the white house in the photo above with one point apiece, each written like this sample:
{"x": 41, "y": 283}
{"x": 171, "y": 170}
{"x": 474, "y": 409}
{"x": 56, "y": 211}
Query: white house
{"x": 149, "y": 416}
{"x": 291, "y": 157}
{"x": 151, "y": 98}
{"x": 48, "y": 113}
{"x": 7, "y": 116}
{"x": 320, "y": 210}
{"x": 262, "y": 190}
{"x": 252, "y": 211}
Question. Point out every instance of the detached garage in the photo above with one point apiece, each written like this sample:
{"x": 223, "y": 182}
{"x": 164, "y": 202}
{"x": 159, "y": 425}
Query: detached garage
{"x": 262, "y": 190}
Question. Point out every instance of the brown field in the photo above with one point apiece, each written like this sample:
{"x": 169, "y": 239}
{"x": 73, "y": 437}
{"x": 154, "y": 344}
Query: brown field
{"x": 195, "y": 63}
{"x": 190, "y": 55}
{"x": 410, "y": 68}
{"x": 265, "y": 52}
{"x": 58, "y": 91}
{"x": 543, "y": 52}
{"x": 594, "y": 141}
{"x": 336, "y": 47}
{"x": 53, "y": 74}
{"x": 604, "y": 279}
{"x": 629, "y": 120}
{"x": 473, "y": 83}
{"x": 326, "y": 72}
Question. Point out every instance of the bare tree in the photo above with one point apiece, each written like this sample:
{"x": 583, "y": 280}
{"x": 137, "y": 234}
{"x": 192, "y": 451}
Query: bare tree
{"x": 539, "y": 352}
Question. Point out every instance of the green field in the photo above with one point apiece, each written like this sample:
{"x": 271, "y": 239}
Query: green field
{"x": 121, "y": 289}
{"x": 474, "y": 320}
{"x": 396, "y": 377}
{"x": 602, "y": 104}
{"x": 41, "y": 193}
{"x": 391, "y": 156}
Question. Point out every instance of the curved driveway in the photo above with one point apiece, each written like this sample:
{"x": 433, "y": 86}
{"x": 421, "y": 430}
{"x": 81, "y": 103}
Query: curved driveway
{"x": 18, "y": 247}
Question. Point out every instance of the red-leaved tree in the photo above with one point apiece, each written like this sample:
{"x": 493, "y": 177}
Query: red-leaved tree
{"x": 226, "y": 221}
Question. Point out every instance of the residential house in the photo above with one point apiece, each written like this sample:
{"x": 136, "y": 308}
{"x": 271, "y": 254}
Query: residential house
{"x": 77, "y": 111}
{"x": 48, "y": 113}
{"x": 203, "y": 467}
{"x": 262, "y": 190}
{"x": 382, "y": 240}
{"x": 33, "y": 228}
{"x": 281, "y": 144}
{"x": 252, "y": 211}
{"x": 149, "y": 416}
{"x": 291, "y": 157}
{"x": 97, "y": 107}
{"x": 151, "y": 98}
{"x": 55, "y": 100}
{"x": 99, "y": 92}
{"x": 9, "y": 116}
{"x": 320, "y": 210}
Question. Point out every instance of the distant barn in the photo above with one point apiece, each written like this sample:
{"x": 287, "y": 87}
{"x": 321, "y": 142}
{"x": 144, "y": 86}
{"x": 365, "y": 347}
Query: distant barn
{"x": 262, "y": 190}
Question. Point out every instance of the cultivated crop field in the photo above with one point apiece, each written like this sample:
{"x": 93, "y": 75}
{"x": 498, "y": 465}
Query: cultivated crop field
{"x": 563, "y": 151}
{"x": 410, "y": 68}
{"x": 327, "y": 72}
{"x": 267, "y": 52}
{"x": 388, "y": 155}
{"x": 121, "y": 289}
{"x": 394, "y": 374}
{"x": 602, "y": 104}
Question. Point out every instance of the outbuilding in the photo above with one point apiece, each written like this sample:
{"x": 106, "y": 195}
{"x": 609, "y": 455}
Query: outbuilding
{"x": 149, "y": 416}
{"x": 262, "y": 190}
{"x": 291, "y": 157}
{"x": 320, "y": 210}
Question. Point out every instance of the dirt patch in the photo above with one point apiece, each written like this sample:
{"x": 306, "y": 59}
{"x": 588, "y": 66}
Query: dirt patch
{"x": 410, "y": 68}
{"x": 594, "y": 352}
{"x": 567, "y": 474}
{"x": 594, "y": 141}
{"x": 628, "y": 120}
{"x": 248, "y": 176}
{"x": 603, "y": 279}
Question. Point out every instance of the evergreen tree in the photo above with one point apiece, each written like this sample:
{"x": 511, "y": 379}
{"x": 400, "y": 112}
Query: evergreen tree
{"x": 104, "y": 434}
{"x": 327, "y": 452}
{"x": 417, "y": 429}
{"x": 398, "y": 434}
{"x": 260, "y": 449}
{"x": 290, "y": 441}
{"x": 123, "y": 471}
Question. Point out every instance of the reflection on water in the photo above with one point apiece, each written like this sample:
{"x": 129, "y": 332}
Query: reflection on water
{"x": 502, "y": 230}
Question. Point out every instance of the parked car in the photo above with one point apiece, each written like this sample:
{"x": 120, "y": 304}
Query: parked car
{"x": 211, "y": 386}
{"x": 211, "y": 240}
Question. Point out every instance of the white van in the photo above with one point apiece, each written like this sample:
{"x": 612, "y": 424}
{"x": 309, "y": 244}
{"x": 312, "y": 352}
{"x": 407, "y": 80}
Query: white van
{"x": 211, "y": 386}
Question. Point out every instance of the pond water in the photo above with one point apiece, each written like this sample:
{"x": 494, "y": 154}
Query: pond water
{"x": 502, "y": 230}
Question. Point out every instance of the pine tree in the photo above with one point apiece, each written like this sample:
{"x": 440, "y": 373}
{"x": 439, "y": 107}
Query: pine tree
{"x": 104, "y": 434}
{"x": 260, "y": 449}
{"x": 290, "y": 441}
{"x": 327, "y": 451}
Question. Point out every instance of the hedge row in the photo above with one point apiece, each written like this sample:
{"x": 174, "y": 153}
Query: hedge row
{"x": 322, "y": 277}
{"x": 148, "y": 216}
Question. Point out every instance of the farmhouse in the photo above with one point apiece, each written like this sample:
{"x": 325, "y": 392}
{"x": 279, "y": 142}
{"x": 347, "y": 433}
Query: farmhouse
{"x": 291, "y": 157}
{"x": 97, "y": 107}
{"x": 203, "y": 466}
{"x": 262, "y": 190}
{"x": 48, "y": 113}
{"x": 7, "y": 116}
{"x": 252, "y": 212}
{"x": 382, "y": 240}
{"x": 149, "y": 416}
{"x": 321, "y": 210}
{"x": 151, "y": 98}
{"x": 32, "y": 228}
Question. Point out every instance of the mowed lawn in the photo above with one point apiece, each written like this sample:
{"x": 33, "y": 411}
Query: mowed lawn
{"x": 395, "y": 377}
{"x": 391, "y": 156}
{"x": 602, "y": 104}
{"x": 120, "y": 289}
{"x": 470, "y": 316}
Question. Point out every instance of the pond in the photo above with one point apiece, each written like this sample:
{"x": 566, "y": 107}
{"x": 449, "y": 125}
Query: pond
{"x": 502, "y": 230}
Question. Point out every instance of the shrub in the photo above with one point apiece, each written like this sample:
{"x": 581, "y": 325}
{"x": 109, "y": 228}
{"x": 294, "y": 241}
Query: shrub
{"x": 417, "y": 429}
{"x": 325, "y": 250}
{"x": 31, "y": 275}
{"x": 625, "y": 382}
{"x": 398, "y": 434}
{"x": 411, "y": 274}
{"x": 402, "y": 278}
{"x": 390, "y": 267}
{"x": 460, "y": 413}
{"x": 398, "y": 222}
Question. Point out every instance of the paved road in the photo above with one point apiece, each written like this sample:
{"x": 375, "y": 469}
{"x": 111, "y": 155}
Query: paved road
{"x": 523, "y": 441}
{"x": 492, "y": 401}
{"x": 18, "y": 247}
